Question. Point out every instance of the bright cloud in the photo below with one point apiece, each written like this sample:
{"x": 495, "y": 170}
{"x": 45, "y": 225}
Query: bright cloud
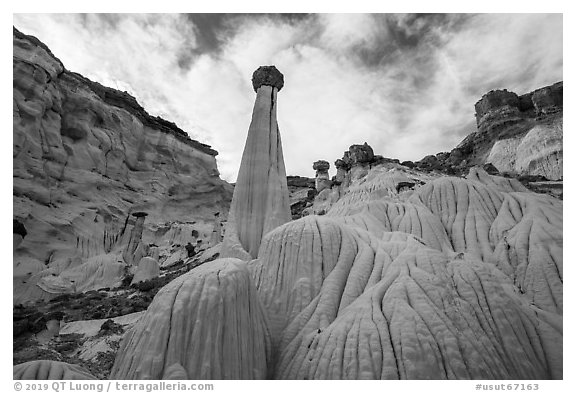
{"x": 405, "y": 84}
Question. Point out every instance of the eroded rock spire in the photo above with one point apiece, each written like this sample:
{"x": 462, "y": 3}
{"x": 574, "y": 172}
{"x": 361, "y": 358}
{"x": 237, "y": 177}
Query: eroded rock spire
{"x": 134, "y": 250}
{"x": 260, "y": 202}
{"x": 322, "y": 180}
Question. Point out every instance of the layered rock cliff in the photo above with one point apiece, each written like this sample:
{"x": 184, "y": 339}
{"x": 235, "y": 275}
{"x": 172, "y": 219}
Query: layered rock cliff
{"x": 85, "y": 158}
{"x": 518, "y": 135}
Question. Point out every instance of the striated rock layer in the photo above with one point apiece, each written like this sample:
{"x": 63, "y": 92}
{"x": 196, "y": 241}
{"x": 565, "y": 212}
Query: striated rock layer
{"x": 458, "y": 278}
{"x": 517, "y": 135}
{"x": 401, "y": 274}
{"x": 49, "y": 369}
{"x": 206, "y": 324}
{"x": 85, "y": 157}
{"x": 446, "y": 284}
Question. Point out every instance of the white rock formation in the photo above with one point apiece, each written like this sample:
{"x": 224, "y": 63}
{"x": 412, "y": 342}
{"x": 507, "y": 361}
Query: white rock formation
{"x": 134, "y": 250}
{"x": 349, "y": 296}
{"x": 209, "y": 323}
{"x": 260, "y": 202}
{"x": 503, "y": 154}
{"x": 407, "y": 276}
{"x": 101, "y": 271}
{"x": 216, "y": 236}
{"x": 90, "y": 328}
{"x": 147, "y": 269}
{"x": 322, "y": 180}
{"x": 541, "y": 152}
{"x": 97, "y": 272}
{"x": 453, "y": 279}
{"x": 84, "y": 157}
{"x": 538, "y": 152}
{"x": 49, "y": 369}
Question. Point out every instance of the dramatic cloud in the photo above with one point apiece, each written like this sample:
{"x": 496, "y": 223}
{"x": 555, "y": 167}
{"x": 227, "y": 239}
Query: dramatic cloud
{"x": 406, "y": 84}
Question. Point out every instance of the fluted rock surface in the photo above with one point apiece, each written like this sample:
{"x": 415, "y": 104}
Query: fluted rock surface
{"x": 260, "y": 202}
{"x": 206, "y": 324}
{"x": 407, "y": 276}
{"x": 50, "y": 370}
{"x": 528, "y": 243}
{"x": 403, "y": 274}
{"x": 457, "y": 279}
{"x": 428, "y": 317}
{"x": 86, "y": 156}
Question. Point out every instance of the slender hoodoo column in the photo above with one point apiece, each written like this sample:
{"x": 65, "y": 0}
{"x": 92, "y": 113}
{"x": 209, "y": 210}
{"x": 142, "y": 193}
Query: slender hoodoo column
{"x": 342, "y": 168}
{"x": 129, "y": 255}
{"x": 322, "y": 178}
{"x": 216, "y": 236}
{"x": 260, "y": 202}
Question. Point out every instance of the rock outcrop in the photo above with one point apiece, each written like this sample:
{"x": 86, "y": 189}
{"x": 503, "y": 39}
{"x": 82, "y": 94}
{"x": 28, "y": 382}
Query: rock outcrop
{"x": 407, "y": 276}
{"x": 341, "y": 168}
{"x": 302, "y": 192}
{"x": 85, "y": 157}
{"x": 399, "y": 271}
{"x": 51, "y": 370}
{"x": 519, "y": 135}
{"x": 206, "y": 324}
{"x": 322, "y": 180}
{"x": 260, "y": 202}
{"x": 147, "y": 269}
{"x": 548, "y": 99}
{"x": 135, "y": 249}
{"x": 216, "y": 236}
{"x": 526, "y": 131}
{"x": 497, "y": 108}
{"x": 365, "y": 291}
{"x": 354, "y": 165}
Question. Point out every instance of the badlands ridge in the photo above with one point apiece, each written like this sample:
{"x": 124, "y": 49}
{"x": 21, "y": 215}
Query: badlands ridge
{"x": 134, "y": 260}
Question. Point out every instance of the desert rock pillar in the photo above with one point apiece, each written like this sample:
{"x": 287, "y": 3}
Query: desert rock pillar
{"x": 260, "y": 202}
{"x": 134, "y": 250}
{"x": 322, "y": 181}
{"x": 216, "y": 236}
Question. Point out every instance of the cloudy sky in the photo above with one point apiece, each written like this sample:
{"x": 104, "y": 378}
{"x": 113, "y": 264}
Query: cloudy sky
{"x": 406, "y": 84}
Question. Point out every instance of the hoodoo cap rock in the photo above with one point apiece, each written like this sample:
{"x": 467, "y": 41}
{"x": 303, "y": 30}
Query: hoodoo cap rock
{"x": 267, "y": 75}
